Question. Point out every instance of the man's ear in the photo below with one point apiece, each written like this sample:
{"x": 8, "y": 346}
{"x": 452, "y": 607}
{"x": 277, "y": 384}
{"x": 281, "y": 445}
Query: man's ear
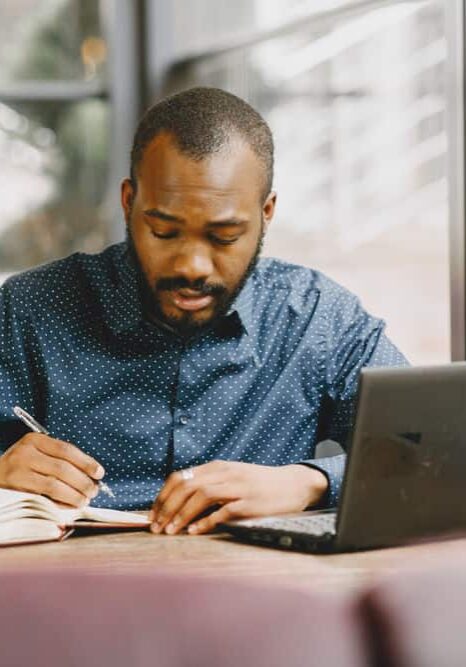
{"x": 268, "y": 209}
{"x": 127, "y": 198}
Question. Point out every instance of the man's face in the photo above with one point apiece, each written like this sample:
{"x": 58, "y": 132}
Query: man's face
{"x": 195, "y": 229}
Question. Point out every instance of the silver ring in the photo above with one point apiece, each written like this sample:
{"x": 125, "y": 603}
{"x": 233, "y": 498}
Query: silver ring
{"x": 187, "y": 474}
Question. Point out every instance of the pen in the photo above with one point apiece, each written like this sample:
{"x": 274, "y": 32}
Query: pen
{"x": 37, "y": 428}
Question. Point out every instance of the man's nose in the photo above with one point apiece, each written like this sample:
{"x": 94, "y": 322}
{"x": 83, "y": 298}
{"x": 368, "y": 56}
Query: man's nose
{"x": 193, "y": 262}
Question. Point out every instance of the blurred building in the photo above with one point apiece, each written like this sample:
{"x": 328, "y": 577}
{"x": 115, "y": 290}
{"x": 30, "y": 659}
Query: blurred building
{"x": 354, "y": 90}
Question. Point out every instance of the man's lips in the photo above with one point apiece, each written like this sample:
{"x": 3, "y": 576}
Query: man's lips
{"x": 187, "y": 299}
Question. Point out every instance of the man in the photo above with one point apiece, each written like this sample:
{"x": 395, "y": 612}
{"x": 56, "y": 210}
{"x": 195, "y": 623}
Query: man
{"x": 189, "y": 370}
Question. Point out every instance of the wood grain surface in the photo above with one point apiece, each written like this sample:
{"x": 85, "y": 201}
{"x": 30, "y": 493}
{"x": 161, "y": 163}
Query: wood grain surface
{"x": 218, "y": 556}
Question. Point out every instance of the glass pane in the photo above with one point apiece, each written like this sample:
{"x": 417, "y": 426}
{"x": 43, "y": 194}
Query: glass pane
{"x": 53, "y": 154}
{"x": 50, "y": 39}
{"x": 357, "y": 107}
{"x": 54, "y": 159}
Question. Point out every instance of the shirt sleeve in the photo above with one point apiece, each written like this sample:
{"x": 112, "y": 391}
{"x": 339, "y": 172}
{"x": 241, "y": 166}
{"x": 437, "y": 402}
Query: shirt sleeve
{"x": 17, "y": 386}
{"x": 354, "y": 340}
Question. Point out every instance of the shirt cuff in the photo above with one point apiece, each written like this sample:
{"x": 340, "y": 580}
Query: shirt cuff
{"x": 333, "y": 468}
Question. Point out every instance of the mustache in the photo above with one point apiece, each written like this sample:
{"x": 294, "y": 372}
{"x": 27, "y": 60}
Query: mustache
{"x": 204, "y": 289}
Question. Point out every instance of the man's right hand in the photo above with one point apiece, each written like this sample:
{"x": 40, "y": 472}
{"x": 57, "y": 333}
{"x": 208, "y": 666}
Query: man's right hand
{"x": 40, "y": 464}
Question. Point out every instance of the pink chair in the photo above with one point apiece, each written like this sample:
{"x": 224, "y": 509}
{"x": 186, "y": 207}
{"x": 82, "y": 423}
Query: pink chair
{"x": 418, "y": 619}
{"x": 82, "y": 619}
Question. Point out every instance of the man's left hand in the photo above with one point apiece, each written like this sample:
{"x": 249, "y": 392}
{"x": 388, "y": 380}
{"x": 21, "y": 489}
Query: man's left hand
{"x": 242, "y": 490}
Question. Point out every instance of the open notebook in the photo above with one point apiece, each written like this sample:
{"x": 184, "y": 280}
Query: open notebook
{"x": 28, "y": 517}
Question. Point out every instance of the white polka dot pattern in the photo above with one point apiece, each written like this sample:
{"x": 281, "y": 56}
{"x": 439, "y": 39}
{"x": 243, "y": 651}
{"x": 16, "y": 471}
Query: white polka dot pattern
{"x": 277, "y": 374}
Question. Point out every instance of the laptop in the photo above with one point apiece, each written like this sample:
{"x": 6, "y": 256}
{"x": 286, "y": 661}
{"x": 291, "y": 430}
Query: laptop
{"x": 405, "y": 477}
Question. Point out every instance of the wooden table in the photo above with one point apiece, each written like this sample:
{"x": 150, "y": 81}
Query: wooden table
{"x": 218, "y": 555}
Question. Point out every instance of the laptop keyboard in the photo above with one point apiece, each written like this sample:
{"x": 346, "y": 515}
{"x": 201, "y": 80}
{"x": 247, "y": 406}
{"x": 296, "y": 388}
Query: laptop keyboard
{"x": 318, "y": 524}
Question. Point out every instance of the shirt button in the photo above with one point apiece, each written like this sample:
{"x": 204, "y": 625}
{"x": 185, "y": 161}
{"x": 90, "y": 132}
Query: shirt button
{"x": 184, "y": 419}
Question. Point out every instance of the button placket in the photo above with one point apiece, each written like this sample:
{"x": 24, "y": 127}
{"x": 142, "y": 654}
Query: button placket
{"x": 182, "y": 436}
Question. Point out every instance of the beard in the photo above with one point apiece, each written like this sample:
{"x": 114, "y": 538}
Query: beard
{"x": 186, "y": 325}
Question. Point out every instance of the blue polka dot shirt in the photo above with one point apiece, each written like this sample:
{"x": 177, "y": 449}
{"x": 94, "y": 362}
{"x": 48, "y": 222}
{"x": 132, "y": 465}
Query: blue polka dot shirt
{"x": 269, "y": 380}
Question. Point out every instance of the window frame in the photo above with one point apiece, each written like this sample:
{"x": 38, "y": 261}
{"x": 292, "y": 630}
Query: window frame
{"x": 455, "y": 30}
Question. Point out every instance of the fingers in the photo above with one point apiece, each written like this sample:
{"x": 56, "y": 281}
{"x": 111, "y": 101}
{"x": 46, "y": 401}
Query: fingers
{"x": 181, "y": 499}
{"x": 203, "y": 473}
{"x": 184, "y": 510}
{"x": 172, "y": 497}
{"x": 40, "y": 464}
{"x": 234, "y": 510}
{"x": 174, "y": 492}
{"x": 211, "y": 472}
{"x": 68, "y": 452}
{"x": 57, "y": 490}
{"x": 65, "y": 472}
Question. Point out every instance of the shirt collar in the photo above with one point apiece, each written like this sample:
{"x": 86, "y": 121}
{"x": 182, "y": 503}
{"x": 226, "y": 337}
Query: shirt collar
{"x": 124, "y": 312}
{"x": 243, "y": 305}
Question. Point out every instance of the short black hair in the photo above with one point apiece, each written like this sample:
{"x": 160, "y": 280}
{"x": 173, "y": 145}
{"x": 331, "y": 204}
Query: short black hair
{"x": 202, "y": 121}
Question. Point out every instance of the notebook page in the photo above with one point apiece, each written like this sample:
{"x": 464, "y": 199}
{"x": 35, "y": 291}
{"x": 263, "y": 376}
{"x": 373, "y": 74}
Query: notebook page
{"x": 113, "y": 516}
{"x": 17, "y": 504}
{"x": 29, "y": 530}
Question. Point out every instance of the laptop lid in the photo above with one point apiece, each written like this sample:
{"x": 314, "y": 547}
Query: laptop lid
{"x": 406, "y": 473}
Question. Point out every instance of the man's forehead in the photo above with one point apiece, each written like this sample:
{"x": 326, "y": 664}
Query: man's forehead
{"x": 234, "y": 167}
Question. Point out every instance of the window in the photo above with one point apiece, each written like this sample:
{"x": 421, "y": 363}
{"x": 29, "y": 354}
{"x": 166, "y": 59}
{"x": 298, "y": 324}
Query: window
{"x": 356, "y": 102}
{"x": 54, "y": 139}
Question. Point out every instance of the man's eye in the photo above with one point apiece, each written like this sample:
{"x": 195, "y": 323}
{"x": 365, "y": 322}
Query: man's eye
{"x": 224, "y": 241}
{"x": 163, "y": 236}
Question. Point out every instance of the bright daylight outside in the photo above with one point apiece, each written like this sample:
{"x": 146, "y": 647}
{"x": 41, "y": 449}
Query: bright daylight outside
{"x": 361, "y": 165}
